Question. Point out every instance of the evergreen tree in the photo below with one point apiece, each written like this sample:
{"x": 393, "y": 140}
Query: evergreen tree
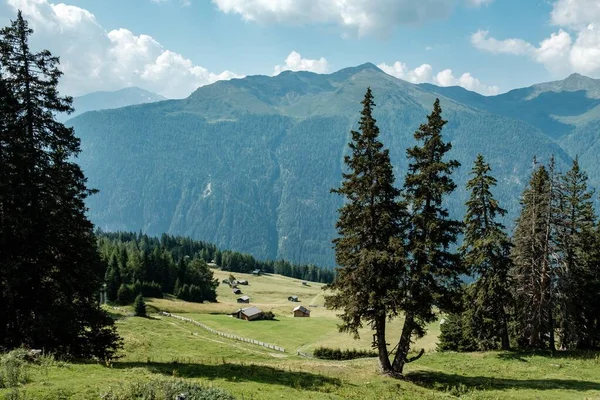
{"x": 49, "y": 254}
{"x": 139, "y": 306}
{"x": 113, "y": 279}
{"x": 433, "y": 270}
{"x": 486, "y": 253}
{"x": 369, "y": 227}
{"x": 575, "y": 240}
{"x": 533, "y": 271}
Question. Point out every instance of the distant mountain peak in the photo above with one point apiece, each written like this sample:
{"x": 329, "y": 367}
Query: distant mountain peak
{"x": 573, "y": 83}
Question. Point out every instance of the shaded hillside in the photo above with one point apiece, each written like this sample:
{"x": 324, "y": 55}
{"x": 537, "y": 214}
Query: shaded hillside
{"x": 248, "y": 164}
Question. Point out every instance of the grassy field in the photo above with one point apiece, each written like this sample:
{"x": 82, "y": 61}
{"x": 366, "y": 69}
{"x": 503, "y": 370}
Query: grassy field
{"x": 165, "y": 347}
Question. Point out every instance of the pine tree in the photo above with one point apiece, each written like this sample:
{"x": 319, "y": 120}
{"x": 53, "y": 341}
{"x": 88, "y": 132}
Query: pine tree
{"x": 139, "y": 306}
{"x": 369, "y": 227}
{"x": 49, "y": 250}
{"x": 486, "y": 253}
{"x": 575, "y": 240}
{"x": 433, "y": 270}
{"x": 533, "y": 271}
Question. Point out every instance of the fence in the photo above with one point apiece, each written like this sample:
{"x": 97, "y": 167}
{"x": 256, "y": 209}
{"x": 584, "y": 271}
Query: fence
{"x": 227, "y": 335}
{"x": 302, "y": 354}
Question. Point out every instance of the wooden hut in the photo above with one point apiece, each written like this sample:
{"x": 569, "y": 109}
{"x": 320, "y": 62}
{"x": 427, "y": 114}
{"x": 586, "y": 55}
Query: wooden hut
{"x": 301, "y": 311}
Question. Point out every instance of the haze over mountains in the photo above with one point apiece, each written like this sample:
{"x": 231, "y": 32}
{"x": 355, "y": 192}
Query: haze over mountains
{"x": 248, "y": 163}
{"x": 109, "y": 100}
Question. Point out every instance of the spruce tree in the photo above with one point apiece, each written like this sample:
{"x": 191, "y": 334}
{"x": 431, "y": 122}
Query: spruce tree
{"x": 533, "y": 271}
{"x": 433, "y": 269}
{"x": 48, "y": 250}
{"x": 139, "y": 306}
{"x": 486, "y": 253}
{"x": 369, "y": 226}
{"x": 575, "y": 241}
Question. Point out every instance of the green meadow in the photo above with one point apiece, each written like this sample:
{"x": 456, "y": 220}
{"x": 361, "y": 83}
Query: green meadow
{"x": 160, "y": 347}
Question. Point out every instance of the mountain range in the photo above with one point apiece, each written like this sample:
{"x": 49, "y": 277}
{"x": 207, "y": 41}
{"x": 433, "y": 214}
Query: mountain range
{"x": 107, "y": 100}
{"x": 248, "y": 163}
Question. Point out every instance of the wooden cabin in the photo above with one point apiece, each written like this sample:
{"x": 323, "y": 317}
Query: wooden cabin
{"x": 249, "y": 313}
{"x": 301, "y": 311}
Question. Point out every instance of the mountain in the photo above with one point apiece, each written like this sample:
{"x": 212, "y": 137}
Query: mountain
{"x": 248, "y": 164}
{"x": 109, "y": 100}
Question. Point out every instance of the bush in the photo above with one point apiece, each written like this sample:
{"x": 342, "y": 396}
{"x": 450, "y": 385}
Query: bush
{"x": 165, "y": 390}
{"x": 125, "y": 294}
{"x": 269, "y": 315}
{"x": 13, "y": 368}
{"x": 139, "y": 307}
{"x": 325, "y": 353}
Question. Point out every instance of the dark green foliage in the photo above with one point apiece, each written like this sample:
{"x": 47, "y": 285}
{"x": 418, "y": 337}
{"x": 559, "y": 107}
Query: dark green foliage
{"x": 139, "y": 306}
{"x": 575, "y": 272}
{"x": 51, "y": 271}
{"x": 454, "y": 335}
{"x": 166, "y": 261}
{"x": 165, "y": 390}
{"x": 433, "y": 270}
{"x": 532, "y": 270}
{"x": 125, "y": 294}
{"x": 368, "y": 248}
{"x": 268, "y": 315}
{"x": 486, "y": 253}
{"x": 326, "y": 353}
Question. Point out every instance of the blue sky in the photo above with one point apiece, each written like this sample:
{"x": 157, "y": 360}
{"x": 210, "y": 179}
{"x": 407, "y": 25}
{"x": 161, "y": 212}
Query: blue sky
{"x": 173, "y": 46}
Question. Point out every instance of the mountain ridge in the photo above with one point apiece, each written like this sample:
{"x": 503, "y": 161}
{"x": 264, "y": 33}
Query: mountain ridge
{"x": 248, "y": 164}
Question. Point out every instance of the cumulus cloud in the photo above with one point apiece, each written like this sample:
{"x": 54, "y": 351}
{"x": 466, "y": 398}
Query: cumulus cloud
{"x": 424, "y": 73}
{"x": 361, "y": 16}
{"x": 575, "y": 47}
{"x": 295, "y": 62}
{"x": 94, "y": 59}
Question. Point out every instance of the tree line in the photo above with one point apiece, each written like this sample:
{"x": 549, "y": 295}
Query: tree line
{"x": 137, "y": 263}
{"x": 398, "y": 252}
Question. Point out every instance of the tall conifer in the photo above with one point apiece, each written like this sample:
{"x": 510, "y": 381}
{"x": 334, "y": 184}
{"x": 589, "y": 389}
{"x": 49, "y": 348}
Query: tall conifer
{"x": 432, "y": 273}
{"x": 49, "y": 252}
{"x": 486, "y": 253}
{"x": 367, "y": 248}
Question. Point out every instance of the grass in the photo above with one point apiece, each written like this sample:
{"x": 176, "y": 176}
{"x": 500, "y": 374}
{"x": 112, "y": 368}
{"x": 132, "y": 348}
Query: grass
{"x": 163, "y": 347}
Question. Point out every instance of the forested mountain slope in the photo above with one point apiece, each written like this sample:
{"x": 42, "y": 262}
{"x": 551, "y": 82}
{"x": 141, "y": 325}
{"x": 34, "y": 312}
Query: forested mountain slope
{"x": 248, "y": 163}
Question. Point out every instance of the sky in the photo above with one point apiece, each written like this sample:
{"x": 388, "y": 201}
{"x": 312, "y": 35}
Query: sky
{"x": 172, "y": 47}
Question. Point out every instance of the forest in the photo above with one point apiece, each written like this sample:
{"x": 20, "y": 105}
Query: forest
{"x": 137, "y": 263}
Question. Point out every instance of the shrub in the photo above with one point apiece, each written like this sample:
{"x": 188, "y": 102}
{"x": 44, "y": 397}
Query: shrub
{"x": 325, "y": 353}
{"x": 165, "y": 390}
{"x": 139, "y": 307}
{"x": 125, "y": 294}
{"x": 13, "y": 368}
{"x": 269, "y": 315}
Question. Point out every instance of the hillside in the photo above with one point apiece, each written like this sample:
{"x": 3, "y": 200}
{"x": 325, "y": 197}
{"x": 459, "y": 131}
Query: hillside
{"x": 165, "y": 348}
{"x": 108, "y": 100}
{"x": 248, "y": 163}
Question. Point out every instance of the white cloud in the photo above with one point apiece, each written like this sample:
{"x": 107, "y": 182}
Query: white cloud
{"x": 295, "y": 62}
{"x": 482, "y": 41}
{"x": 424, "y": 73}
{"x": 575, "y": 47}
{"x": 361, "y": 16}
{"x": 479, "y": 3}
{"x": 94, "y": 59}
{"x": 466, "y": 80}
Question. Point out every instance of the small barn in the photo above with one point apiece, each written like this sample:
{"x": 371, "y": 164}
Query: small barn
{"x": 293, "y": 298}
{"x": 301, "y": 311}
{"x": 236, "y": 291}
{"x": 242, "y": 282}
{"x": 249, "y": 313}
{"x": 256, "y": 272}
{"x": 243, "y": 299}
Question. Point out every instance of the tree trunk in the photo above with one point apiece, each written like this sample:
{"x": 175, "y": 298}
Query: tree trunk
{"x": 384, "y": 358}
{"x": 403, "y": 346}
